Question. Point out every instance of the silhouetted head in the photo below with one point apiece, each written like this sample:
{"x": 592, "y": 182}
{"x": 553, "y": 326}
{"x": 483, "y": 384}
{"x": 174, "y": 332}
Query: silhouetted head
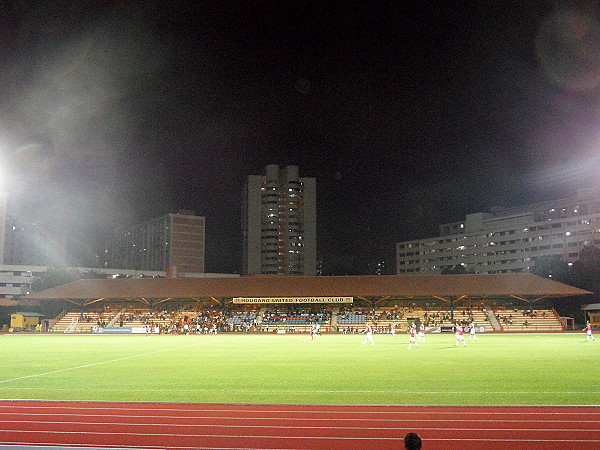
{"x": 412, "y": 441}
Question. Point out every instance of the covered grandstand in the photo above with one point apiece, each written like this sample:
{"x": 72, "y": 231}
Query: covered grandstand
{"x": 336, "y": 295}
{"x": 373, "y": 288}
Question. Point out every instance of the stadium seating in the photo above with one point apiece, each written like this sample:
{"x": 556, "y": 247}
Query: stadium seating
{"x": 524, "y": 320}
{"x": 273, "y": 318}
{"x": 72, "y": 322}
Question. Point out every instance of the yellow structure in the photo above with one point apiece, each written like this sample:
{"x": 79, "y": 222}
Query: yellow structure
{"x": 24, "y": 321}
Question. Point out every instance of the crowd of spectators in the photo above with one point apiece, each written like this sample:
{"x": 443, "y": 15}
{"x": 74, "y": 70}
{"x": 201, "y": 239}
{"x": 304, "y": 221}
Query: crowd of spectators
{"x": 243, "y": 318}
{"x": 316, "y": 314}
{"x": 507, "y": 318}
{"x": 205, "y": 319}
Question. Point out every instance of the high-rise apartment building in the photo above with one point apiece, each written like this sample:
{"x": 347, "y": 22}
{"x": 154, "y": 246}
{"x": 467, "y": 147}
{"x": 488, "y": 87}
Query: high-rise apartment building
{"x": 507, "y": 239}
{"x": 29, "y": 242}
{"x": 25, "y": 241}
{"x": 3, "y": 205}
{"x": 173, "y": 242}
{"x": 279, "y": 223}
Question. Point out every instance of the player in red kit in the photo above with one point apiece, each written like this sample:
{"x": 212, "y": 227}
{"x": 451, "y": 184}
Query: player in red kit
{"x": 369, "y": 334}
{"x": 313, "y": 331}
{"x": 459, "y": 332}
{"x": 588, "y": 330}
{"x": 412, "y": 332}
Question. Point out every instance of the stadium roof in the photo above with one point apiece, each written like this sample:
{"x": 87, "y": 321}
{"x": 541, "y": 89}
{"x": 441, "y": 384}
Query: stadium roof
{"x": 522, "y": 286}
{"x": 591, "y": 307}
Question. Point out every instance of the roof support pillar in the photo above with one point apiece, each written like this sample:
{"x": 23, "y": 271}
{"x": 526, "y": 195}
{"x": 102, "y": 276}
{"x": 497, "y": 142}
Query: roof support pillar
{"x": 529, "y": 299}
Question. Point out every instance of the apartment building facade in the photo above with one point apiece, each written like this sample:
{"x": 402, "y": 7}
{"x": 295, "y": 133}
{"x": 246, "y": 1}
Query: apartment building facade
{"x": 279, "y": 223}
{"x": 30, "y": 242}
{"x": 170, "y": 242}
{"x": 507, "y": 240}
{"x": 16, "y": 280}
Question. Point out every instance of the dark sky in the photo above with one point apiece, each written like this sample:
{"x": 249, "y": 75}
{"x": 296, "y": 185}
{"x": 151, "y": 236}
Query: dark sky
{"x": 408, "y": 114}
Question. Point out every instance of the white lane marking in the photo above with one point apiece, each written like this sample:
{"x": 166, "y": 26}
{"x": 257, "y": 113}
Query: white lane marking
{"x": 358, "y": 409}
{"x": 245, "y": 426}
{"x": 54, "y": 446}
{"x": 36, "y": 419}
{"x": 187, "y": 447}
{"x": 246, "y": 436}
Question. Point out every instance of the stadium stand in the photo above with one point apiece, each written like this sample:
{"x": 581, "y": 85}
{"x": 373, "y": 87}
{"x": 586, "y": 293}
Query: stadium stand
{"x": 75, "y": 322}
{"x": 243, "y": 318}
{"x": 292, "y": 319}
{"x": 526, "y": 320}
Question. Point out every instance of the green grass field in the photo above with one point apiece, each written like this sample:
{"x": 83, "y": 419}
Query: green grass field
{"x": 540, "y": 369}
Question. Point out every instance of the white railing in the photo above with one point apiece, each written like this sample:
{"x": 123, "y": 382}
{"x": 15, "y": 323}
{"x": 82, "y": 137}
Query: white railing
{"x": 72, "y": 325}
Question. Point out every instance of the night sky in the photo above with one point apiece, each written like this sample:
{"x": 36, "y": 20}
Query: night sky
{"x": 408, "y": 114}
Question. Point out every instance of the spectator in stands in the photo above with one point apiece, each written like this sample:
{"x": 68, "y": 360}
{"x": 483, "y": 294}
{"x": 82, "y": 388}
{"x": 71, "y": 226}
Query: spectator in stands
{"x": 412, "y": 441}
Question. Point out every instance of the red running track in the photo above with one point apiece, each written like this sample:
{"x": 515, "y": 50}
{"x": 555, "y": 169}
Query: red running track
{"x": 225, "y": 426}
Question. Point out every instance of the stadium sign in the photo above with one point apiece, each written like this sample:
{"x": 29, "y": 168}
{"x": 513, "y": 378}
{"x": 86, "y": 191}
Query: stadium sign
{"x": 293, "y": 300}
{"x": 124, "y": 330}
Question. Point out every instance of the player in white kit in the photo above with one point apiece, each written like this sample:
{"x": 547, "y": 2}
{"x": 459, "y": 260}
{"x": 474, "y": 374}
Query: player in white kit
{"x": 421, "y": 334}
{"x": 472, "y": 334}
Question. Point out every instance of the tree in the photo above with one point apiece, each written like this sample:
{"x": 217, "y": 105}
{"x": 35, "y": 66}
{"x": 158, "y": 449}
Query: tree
{"x": 585, "y": 273}
{"x": 456, "y": 270}
{"x": 54, "y": 277}
{"x": 553, "y": 267}
{"x": 93, "y": 275}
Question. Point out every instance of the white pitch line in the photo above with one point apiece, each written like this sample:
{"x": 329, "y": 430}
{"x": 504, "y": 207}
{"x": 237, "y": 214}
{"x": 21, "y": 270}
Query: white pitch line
{"x": 389, "y": 410}
{"x": 291, "y": 391}
{"x": 99, "y": 363}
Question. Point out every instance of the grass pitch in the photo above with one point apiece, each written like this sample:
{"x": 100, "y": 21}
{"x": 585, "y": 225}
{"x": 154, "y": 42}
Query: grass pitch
{"x": 530, "y": 369}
